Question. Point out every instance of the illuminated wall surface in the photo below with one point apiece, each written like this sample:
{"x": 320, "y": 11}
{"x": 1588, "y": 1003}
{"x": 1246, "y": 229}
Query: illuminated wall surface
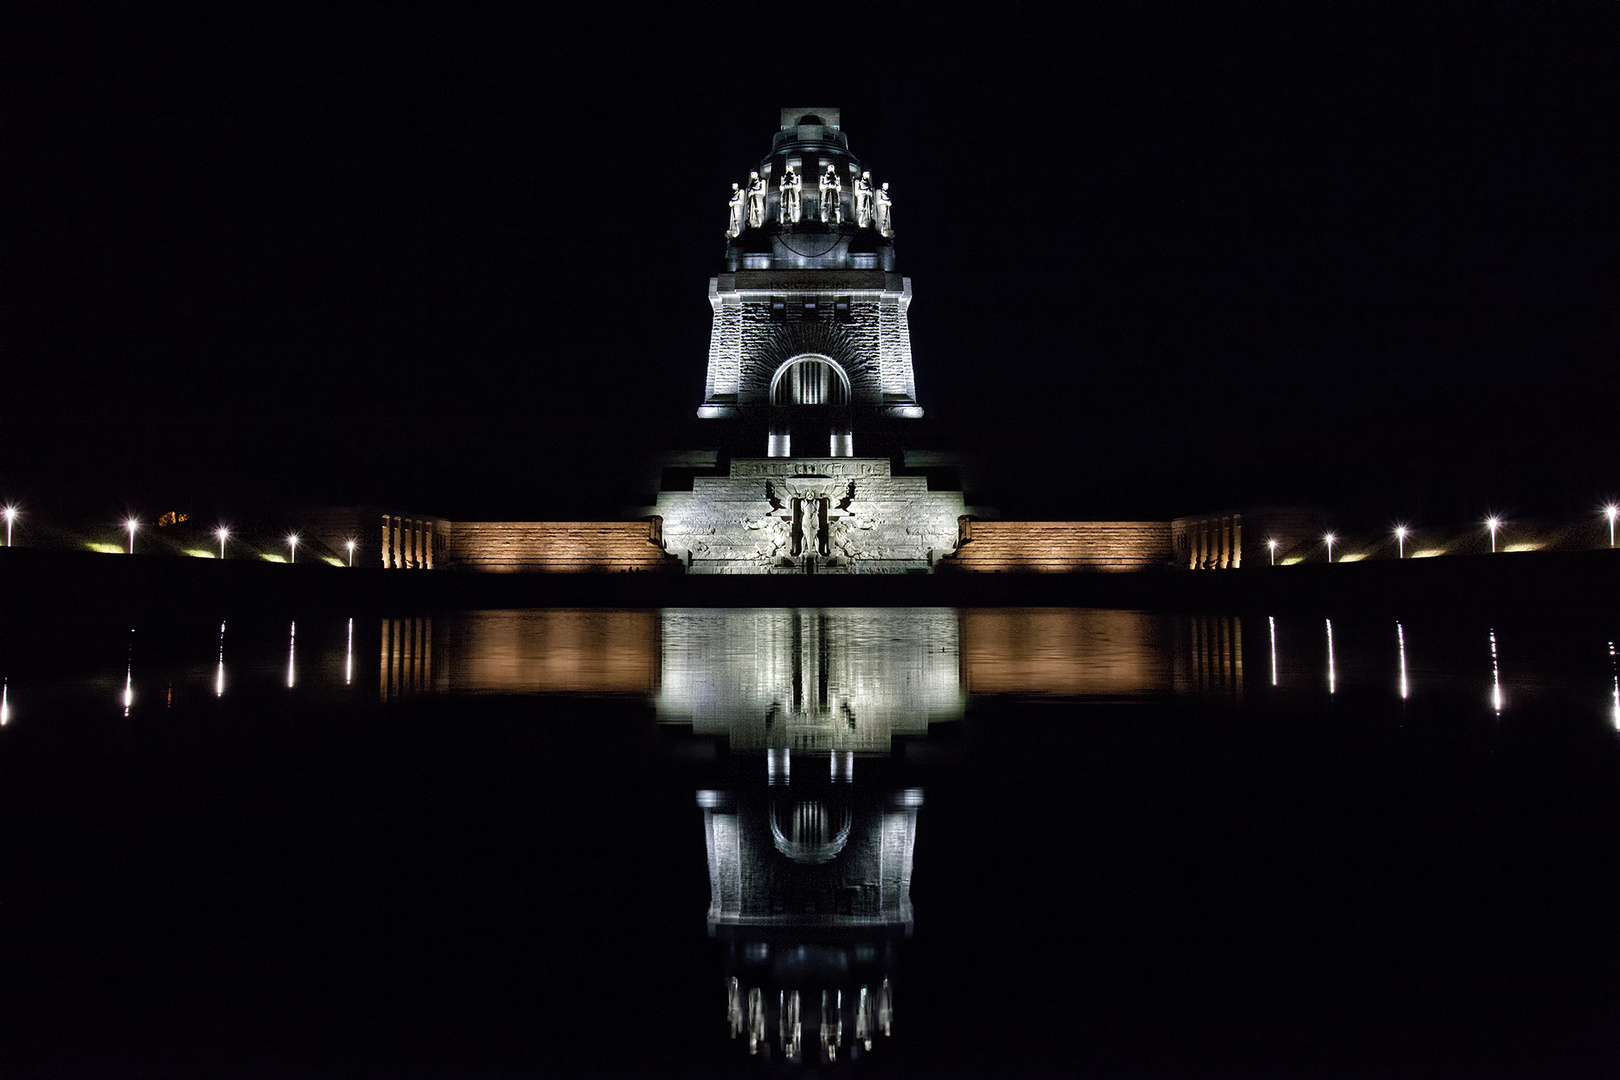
{"x": 569, "y": 547}
{"x": 840, "y": 679}
{"x": 1058, "y": 547}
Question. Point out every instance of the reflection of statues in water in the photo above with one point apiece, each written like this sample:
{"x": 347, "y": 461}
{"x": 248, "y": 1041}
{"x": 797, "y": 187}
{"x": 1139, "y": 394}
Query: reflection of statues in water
{"x": 810, "y": 892}
{"x": 789, "y": 211}
{"x": 863, "y": 200}
{"x": 739, "y": 211}
{"x": 881, "y": 216}
{"x": 832, "y": 208}
{"x": 756, "y": 200}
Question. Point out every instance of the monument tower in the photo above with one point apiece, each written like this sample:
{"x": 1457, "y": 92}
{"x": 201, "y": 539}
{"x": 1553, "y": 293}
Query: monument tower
{"x": 810, "y": 332}
{"x": 809, "y": 358}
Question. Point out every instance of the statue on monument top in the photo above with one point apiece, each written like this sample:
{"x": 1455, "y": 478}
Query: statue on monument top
{"x": 863, "y": 201}
{"x": 739, "y": 211}
{"x": 789, "y": 211}
{"x": 882, "y": 217}
{"x": 756, "y": 200}
{"x": 832, "y": 207}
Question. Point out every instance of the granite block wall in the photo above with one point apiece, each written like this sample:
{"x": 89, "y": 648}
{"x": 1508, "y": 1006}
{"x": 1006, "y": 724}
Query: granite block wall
{"x": 557, "y": 547}
{"x": 1057, "y": 547}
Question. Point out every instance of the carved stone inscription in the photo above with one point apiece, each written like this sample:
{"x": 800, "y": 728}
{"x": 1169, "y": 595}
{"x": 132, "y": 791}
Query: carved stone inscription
{"x": 830, "y": 467}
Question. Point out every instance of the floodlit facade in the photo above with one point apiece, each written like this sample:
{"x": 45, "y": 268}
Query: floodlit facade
{"x": 810, "y": 352}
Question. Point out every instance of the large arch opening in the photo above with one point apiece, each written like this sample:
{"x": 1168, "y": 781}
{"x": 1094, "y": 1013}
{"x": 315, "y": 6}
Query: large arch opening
{"x": 810, "y": 380}
{"x": 810, "y": 400}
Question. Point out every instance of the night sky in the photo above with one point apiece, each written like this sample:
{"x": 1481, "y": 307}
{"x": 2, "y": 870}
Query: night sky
{"x": 1362, "y": 257}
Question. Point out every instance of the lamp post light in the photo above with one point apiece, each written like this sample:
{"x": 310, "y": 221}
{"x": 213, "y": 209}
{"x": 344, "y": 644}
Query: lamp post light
{"x": 222, "y": 532}
{"x": 1329, "y": 538}
{"x": 292, "y": 547}
{"x": 1611, "y": 512}
{"x": 350, "y": 545}
{"x": 131, "y": 525}
{"x": 1400, "y": 541}
{"x": 11, "y": 516}
{"x": 1271, "y": 545}
{"x": 1493, "y": 523}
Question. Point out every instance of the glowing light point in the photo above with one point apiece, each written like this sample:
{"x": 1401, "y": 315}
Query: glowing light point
{"x": 222, "y": 532}
{"x": 1493, "y": 523}
{"x": 1400, "y": 542}
{"x": 292, "y": 548}
{"x": 1271, "y": 545}
{"x": 350, "y": 545}
{"x": 1329, "y": 538}
{"x": 131, "y": 525}
{"x": 1610, "y": 511}
{"x": 11, "y": 518}
{"x": 5, "y": 704}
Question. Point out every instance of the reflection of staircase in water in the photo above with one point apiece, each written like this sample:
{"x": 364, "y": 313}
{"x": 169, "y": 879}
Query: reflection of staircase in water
{"x": 835, "y": 680}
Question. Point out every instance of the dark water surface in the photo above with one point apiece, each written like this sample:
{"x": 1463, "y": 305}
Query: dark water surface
{"x": 1029, "y": 842}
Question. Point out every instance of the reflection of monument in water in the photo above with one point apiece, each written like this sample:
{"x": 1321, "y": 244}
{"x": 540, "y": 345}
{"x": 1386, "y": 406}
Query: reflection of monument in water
{"x": 810, "y": 849}
{"x": 846, "y": 679}
{"x": 810, "y": 840}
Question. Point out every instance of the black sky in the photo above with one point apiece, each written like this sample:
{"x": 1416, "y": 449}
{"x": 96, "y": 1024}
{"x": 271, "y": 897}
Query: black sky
{"x": 1362, "y": 256}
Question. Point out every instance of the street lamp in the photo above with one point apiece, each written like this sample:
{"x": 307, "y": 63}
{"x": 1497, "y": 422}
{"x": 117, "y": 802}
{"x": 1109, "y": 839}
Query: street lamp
{"x": 1272, "y": 546}
{"x": 11, "y": 516}
{"x": 222, "y": 532}
{"x": 1329, "y": 537}
{"x": 131, "y": 525}
{"x": 1611, "y": 512}
{"x": 292, "y": 547}
{"x": 1493, "y": 523}
{"x": 1400, "y": 541}
{"x": 350, "y": 545}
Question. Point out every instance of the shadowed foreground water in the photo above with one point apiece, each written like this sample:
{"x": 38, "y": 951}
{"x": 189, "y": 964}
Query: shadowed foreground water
{"x": 898, "y": 841}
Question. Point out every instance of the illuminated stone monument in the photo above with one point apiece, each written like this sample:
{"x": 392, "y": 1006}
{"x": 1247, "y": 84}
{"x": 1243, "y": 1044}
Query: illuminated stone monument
{"x": 810, "y": 348}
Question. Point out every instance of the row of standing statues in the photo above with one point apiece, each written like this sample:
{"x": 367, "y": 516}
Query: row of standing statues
{"x": 871, "y": 206}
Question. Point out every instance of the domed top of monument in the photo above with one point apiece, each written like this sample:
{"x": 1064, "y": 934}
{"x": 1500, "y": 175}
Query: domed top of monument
{"x": 810, "y": 205}
{"x": 810, "y": 128}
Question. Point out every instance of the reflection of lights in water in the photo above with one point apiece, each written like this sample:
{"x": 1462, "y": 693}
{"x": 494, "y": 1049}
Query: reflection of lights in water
{"x": 129, "y": 675}
{"x": 5, "y": 702}
{"x": 1332, "y": 675}
{"x": 1400, "y": 638}
{"x": 1273, "y": 620}
{"x": 1496, "y": 678}
{"x": 292, "y": 645}
{"x": 1616, "y": 674}
{"x": 348, "y": 662}
{"x": 219, "y": 676}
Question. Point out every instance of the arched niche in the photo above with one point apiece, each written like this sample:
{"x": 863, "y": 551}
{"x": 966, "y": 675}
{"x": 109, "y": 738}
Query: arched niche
{"x": 810, "y": 379}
